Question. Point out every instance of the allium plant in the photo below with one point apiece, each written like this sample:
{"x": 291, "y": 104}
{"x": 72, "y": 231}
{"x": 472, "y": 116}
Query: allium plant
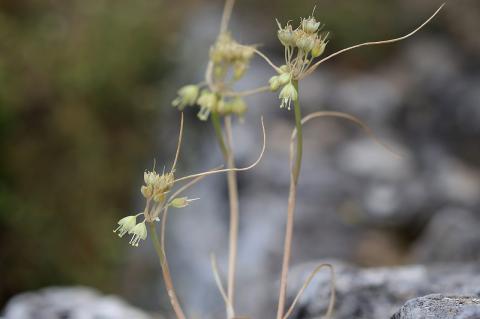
{"x": 216, "y": 99}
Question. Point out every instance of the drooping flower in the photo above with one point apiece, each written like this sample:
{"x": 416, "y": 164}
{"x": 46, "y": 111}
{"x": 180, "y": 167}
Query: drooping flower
{"x": 208, "y": 102}
{"x": 139, "y": 232}
{"x": 125, "y": 225}
{"x": 287, "y": 95}
{"x": 187, "y": 96}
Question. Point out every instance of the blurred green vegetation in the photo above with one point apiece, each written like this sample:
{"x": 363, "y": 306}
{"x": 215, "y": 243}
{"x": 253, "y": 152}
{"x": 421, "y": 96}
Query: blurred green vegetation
{"x": 78, "y": 100}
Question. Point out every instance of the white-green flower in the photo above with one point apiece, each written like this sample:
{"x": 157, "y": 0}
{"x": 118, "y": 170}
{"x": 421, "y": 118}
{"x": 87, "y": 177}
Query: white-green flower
{"x": 187, "y": 96}
{"x": 284, "y": 78}
{"x": 310, "y": 25}
{"x": 305, "y": 42}
{"x": 274, "y": 83}
{"x": 318, "y": 48}
{"x": 139, "y": 232}
{"x": 126, "y": 224}
{"x": 208, "y": 103}
{"x": 287, "y": 95}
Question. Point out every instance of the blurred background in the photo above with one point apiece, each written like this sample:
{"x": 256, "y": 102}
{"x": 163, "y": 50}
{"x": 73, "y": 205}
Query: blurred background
{"x": 85, "y": 93}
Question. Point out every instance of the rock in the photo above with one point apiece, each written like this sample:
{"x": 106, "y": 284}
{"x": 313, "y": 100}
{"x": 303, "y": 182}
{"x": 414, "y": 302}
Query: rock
{"x": 377, "y": 293}
{"x": 70, "y": 303}
{"x": 440, "y": 306}
{"x": 451, "y": 235}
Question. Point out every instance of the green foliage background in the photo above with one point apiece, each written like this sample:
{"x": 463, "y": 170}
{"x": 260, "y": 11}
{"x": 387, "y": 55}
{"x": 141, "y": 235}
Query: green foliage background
{"x": 78, "y": 99}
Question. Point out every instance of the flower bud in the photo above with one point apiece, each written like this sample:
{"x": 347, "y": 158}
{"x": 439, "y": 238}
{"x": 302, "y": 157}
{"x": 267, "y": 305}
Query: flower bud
{"x": 147, "y": 191}
{"x": 318, "y": 48}
{"x": 274, "y": 83}
{"x": 179, "y": 202}
{"x": 284, "y": 78}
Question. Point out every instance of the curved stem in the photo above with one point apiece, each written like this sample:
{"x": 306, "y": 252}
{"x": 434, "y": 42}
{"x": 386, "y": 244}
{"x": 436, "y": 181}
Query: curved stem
{"x": 159, "y": 248}
{"x": 295, "y": 173}
{"x": 313, "y": 67}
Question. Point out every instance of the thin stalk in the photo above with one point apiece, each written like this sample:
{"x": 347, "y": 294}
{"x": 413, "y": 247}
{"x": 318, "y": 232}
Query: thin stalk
{"x": 166, "y": 272}
{"x": 295, "y": 173}
{"x": 234, "y": 214}
{"x": 219, "y": 133}
{"x": 226, "y": 148}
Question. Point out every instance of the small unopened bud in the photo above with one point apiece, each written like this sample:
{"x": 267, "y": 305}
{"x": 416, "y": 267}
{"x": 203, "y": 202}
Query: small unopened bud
{"x": 181, "y": 202}
{"x": 318, "y": 48}
{"x": 284, "y": 78}
{"x": 274, "y": 83}
{"x": 147, "y": 191}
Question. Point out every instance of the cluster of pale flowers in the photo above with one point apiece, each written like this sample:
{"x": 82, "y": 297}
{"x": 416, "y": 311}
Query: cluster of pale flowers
{"x": 155, "y": 190}
{"x": 190, "y": 95}
{"x": 302, "y": 46}
{"x": 225, "y": 55}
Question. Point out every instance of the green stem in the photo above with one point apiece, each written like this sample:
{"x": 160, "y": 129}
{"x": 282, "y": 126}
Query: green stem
{"x": 226, "y": 148}
{"x": 166, "y": 272}
{"x": 298, "y": 124}
{"x": 218, "y": 133}
{"x": 156, "y": 243}
{"x": 292, "y": 197}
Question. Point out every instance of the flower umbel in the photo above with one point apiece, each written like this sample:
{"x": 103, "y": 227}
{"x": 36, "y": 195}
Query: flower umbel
{"x": 302, "y": 45}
